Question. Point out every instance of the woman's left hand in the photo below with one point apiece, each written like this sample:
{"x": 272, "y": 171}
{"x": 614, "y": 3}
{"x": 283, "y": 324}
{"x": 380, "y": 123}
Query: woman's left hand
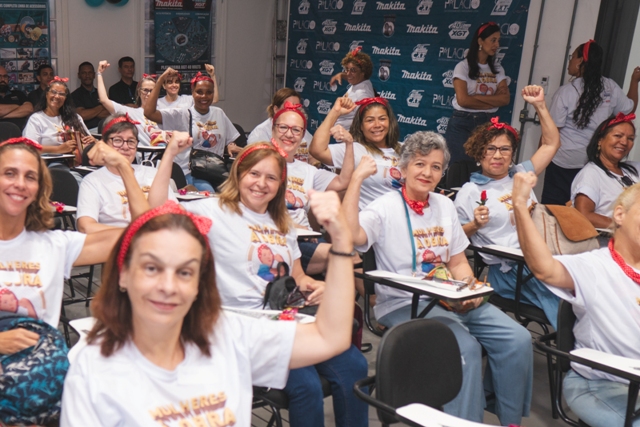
{"x": 534, "y": 95}
{"x": 315, "y": 287}
{"x": 481, "y": 216}
{"x": 103, "y": 155}
{"x": 462, "y": 307}
{"x": 88, "y": 139}
{"x": 340, "y": 134}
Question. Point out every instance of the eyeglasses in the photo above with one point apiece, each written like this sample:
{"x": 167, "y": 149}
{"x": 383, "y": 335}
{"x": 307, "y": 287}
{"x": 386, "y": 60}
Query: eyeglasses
{"x": 626, "y": 181}
{"x": 56, "y": 93}
{"x": 352, "y": 70}
{"x": 295, "y": 130}
{"x": 296, "y": 299}
{"x": 491, "y": 151}
{"x": 146, "y": 91}
{"x": 119, "y": 142}
{"x": 4, "y": 76}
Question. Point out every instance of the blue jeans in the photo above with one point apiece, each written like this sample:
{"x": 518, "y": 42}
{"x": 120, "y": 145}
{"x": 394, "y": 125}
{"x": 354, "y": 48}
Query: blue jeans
{"x": 533, "y": 291}
{"x": 305, "y": 391}
{"x": 510, "y": 367}
{"x": 599, "y": 403}
{"x": 200, "y": 184}
{"x": 461, "y": 125}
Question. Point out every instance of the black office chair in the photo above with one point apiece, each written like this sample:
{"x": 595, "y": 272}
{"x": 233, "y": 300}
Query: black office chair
{"x": 242, "y": 139}
{"x": 458, "y": 174}
{"x": 9, "y": 130}
{"x": 101, "y": 125}
{"x": 177, "y": 175}
{"x": 418, "y": 362}
{"x": 369, "y": 264}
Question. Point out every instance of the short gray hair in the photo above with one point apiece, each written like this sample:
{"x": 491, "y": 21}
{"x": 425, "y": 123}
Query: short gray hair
{"x": 422, "y": 143}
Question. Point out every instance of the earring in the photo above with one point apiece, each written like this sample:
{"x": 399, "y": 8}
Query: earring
{"x": 479, "y": 48}
{"x": 599, "y": 148}
{"x": 123, "y": 290}
{"x": 477, "y": 163}
{"x": 512, "y": 164}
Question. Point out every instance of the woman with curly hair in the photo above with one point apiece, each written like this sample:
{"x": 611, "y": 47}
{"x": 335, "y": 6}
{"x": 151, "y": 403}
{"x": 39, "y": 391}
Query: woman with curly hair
{"x": 481, "y": 88}
{"x": 578, "y": 108}
{"x": 491, "y": 222}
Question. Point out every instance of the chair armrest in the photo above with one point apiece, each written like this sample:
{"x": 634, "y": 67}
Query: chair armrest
{"x": 623, "y": 367}
{"x": 360, "y": 394}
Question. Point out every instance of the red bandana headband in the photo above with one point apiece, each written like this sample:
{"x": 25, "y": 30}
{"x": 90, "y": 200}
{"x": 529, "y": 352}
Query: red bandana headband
{"x": 58, "y": 79}
{"x": 484, "y": 27}
{"x": 495, "y": 124}
{"x": 296, "y": 108}
{"x": 353, "y": 54}
{"x": 22, "y": 140}
{"x": 585, "y": 50}
{"x": 150, "y": 76}
{"x": 203, "y": 224}
{"x": 368, "y": 101}
{"x": 120, "y": 119}
{"x": 621, "y": 118}
{"x": 275, "y": 147}
{"x": 199, "y": 77}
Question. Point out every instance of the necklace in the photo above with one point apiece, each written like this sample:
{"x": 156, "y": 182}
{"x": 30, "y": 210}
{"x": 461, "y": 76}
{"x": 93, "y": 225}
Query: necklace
{"x": 629, "y": 271}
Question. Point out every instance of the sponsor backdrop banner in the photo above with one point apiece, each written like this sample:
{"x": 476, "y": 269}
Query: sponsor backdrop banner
{"x": 414, "y": 46}
{"x": 24, "y": 41}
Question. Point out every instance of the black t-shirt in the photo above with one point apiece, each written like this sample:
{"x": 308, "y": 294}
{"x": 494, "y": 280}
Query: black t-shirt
{"x": 15, "y": 97}
{"x": 35, "y": 96}
{"x": 83, "y": 98}
{"x": 123, "y": 93}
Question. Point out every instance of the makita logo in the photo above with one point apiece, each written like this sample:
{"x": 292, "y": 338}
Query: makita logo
{"x": 302, "y": 46}
{"x": 419, "y": 53}
{"x": 324, "y": 106}
{"x": 357, "y": 27}
{"x": 501, "y": 7}
{"x": 324, "y": 86}
{"x": 421, "y": 29}
{"x": 303, "y": 7}
{"x": 326, "y": 67}
{"x": 327, "y": 46}
{"x": 441, "y": 101}
{"x": 299, "y": 84}
{"x": 329, "y": 26}
{"x": 394, "y": 5}
{"x": 415, "y": 96}
{"x": 418, "y": 121}
{"x": 417, "y": 75}
{"x": 354, "y": 44}
{"x": 443, "y": 122}
{"x": 424, "y": 7}
{"x": 358, "y": 7}
{"x": 393, "y": 51}
{"x": 448, "y": 79}
{"x": 330, "y": 4}
{"x": 303, "y": 25}
{"x": 168, "y": 3}
{"x": 461, "y": 4}
{"x": 507, "y": 29}
{"x": 452, "y": 53}
{"x": 301, "y": 64}
{"x": 387, "y": 94}
{"x": 459, "y": 30}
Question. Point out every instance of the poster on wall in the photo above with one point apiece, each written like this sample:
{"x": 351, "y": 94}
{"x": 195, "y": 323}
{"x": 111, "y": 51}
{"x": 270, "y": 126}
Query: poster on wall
{"x": 24, "y": 41}
{"x": 414, "y": 46}
{"x": 182, "y": 35}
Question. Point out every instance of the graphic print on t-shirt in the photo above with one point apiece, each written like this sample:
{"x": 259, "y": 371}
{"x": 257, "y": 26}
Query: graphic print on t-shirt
{"x": 302, "y": 153}
{"x": 506, "y": 201}
{"x": 390, "y": 172}
{"x": 482, "y": 83}
{"x": 295, "y": 196}
{"x": 20, "y": 278}
{"x": 430, "y": 246}
{"x": 268, "y": 248}
{"x": 196, "y": 411}
{"x": 125, "y": 199}
{"x": 210, "y": 138}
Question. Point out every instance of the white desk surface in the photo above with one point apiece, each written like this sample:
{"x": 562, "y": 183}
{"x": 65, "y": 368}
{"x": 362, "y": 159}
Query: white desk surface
{"x": 307, "y": 233}
{"x": 625, "y": 364}
{"x": 427, "y": 416}
{"x": 506, "y": 249}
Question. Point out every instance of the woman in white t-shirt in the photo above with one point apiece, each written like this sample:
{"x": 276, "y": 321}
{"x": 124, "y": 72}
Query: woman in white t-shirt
{"x": 492, "y": 223}
{"x": 173, "y": 99}
{"x": 415, "y": 231}
{"x": 577, "y": 108}
{"x": 481, "y": 88}
{"x": 163, "y": 350}
{"x": 601, "y": 181}
{"x": 376, "y": 132}
{"x": 603, "y": 286}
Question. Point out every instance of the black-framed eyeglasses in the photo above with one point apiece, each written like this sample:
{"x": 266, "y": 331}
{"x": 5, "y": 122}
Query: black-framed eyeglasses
{"x": 296, "y": 298}
{"x": 626, "y": 181}
{"x": 505, "y": 151}
{"x": 119, "y": 142}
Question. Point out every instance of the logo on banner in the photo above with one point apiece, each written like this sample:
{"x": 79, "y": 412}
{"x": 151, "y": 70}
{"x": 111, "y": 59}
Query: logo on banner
{"x": 421, "y": 29}
{"x": 354, "y": 44}
{"x": 424, "y": 7}
{"x": 507, "y": 29}
{"x": 500, "y": 55}
{"x": 389, "y": 26}
{"x": 459, "y": 30}
{"x": 298, "y": 85}
{"x": 301, "y": 64}
{"x": 327, "y": 46}
{"x": 365, "y": 28}
{"x": 393, "y": 51}
{"x": 330, "y": 4}
{"x": 442, "y": 124}
{"x": 324, "y": 87}
{"x": 412, "y": 120}
{"x": 452, "y": 53}
{"x": 448, "y": 79}
{"x": 461, "y": 4}
{"x": 303, "y": 25}
{"x": 329, "y": 26}
{"x": 441, "y": 100}
{"x": 306, "y": 103}
{"x": 415, "y": 96}
{"x": 419, "y": 53}
{"x": 416, "y": 75}
{"x": 388, "y": 95}
{"x": 314, "y": 124}
{"x": 324, "y": 106}
{"x": 302, "y": 46}
{"x": 384, "y": 72}
{"x": 394, "y": 5}
{"x": 358, "y": 7}
{"x": 501, "y": 7}
{"x": 303, "y": 7}
{"x": 326, "y": 67}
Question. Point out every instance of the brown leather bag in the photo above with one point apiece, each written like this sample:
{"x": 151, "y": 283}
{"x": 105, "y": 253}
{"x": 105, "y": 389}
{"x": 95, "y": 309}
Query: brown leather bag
{"x": 564, "y": 229}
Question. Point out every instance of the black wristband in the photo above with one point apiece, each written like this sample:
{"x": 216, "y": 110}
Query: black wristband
{"x": 347, "y": 254}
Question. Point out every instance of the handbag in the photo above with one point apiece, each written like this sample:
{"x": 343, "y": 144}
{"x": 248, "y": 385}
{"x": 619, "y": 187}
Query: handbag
{"x": 207, "y": 165}
{"x": 282, "y": 292}
{"x": 564, "y": 229}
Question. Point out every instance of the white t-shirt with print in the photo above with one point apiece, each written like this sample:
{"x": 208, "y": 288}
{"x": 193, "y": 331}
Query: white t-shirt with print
{"x": 33, "y": 267}
{"x": 103, "y": 196}
{"x": 572, "y": 153}
{"x": 486, "y": 83}
{"x": 362, "y": 90}
{"x": 212, "y": 131}
{"x": 607, "y": 306}
{"x": 145, "y": 127}
{"x": 183, "y": 101}
{"x": 301, "y": 177}
{"x": 263, "y": 132}
{"x": 47, "y": 130}
{"x": 126, "y": 389}
{"x": 437, "y": 235}
{"x": 246, "y": 249}
{"x": 385, "y": 179}
{"x": 501, "y": 228}
{"x": 602, "y": 189}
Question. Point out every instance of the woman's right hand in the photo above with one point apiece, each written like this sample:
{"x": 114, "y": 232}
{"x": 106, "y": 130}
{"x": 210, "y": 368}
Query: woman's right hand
{"x": 344, "y": 105}
{"x": 523, "y": 183}
{"x": 340, "y": 134}
{"x": 366, "y": 168}
{"x": 103, "y": 65}
{"x": 327, "y": 210}
{"x": 68, "y": 146}
{"x": 481, "y": 216}
{"x": 167, "y": 73}
{"x": 336, "y": 79}
{"x": 534, "y": 95}
{"x": 17, "y": 340}
{"x": 179, "y": 142}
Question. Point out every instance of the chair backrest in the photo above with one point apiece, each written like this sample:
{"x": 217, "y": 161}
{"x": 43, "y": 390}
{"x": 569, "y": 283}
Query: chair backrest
{"x": 459, "y": 173}
{"x": 369, "y": 264}
{"x": 242, "y": 139}
{"x": 177, "y": 175}
{"x": 65, "y": 187}
{"x": 418, "y": 362}
{"x": 9, "y": 130}
{"x": 101, "y": 125}
{"x": 565, "y": 340}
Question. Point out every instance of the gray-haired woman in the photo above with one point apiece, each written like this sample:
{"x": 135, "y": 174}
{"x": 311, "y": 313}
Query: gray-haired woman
{"x": 417, "y": 231}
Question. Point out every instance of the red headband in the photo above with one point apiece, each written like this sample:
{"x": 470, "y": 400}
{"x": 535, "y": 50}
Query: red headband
{"x": 203, "y": 224}
{"x": 353, "y": 54}
{"x": 150, "y": 76}
{"x": 22, "y": 140}
{"x": 199, "y": 77}
{"x": 366, "y": 101}
{"x": 58, "y": 79}
{"x": 484, "y": 27}
{"x": 585, "y": 50}
{"x": 255, "y": 147}
{"x": 120, "y": 119}
{"x": 495, "y": 124}
{"x": 621, "y": 118}
{"x": 296, "y": 108}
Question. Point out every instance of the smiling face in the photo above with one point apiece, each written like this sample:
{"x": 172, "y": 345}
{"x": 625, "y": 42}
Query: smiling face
{"x": 375, "y": 125}
{"x": 56, "y": 95}
{"x": 497, "y": 157}
{"x": 202, "y": 94}
{"x": 288, "y": 131}
{"x": 260, "y": 184}
{"x": 126, "y": 135}
{"x": 354, "y": 72}
{"x": 423, "y": 173}
{"x": 172, "y": 85}
{"x": 19, "y": 173}
{"x": 491, "y": 44}
{"x": 617, "y": 143}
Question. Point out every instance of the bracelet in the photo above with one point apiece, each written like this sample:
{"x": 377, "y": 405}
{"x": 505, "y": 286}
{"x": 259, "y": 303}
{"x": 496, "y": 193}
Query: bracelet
{"x": 347, "y": 254}
{"x": 98, "y": 73}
